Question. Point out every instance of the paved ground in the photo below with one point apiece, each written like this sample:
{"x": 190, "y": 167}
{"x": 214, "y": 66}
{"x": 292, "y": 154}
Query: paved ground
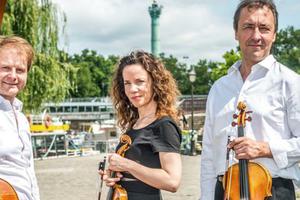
{"x": 76, "y": 178}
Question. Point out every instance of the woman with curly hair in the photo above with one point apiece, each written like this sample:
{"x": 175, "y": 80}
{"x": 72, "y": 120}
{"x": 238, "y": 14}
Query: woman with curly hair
{"x": 144, "y": 94}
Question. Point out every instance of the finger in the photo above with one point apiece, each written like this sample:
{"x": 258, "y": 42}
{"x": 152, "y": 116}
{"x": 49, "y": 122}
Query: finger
{"x": 113, "y": 180}
{"x": 110, "y": 184}
{"x": 105, "y": 177}
{"x": 101, "y": 172}
{"x": 112, "y": 168}
{"x": 239, "y": 146}
{"x": 242, "y": 156}
{"x": 119, "y": 175}
{"x": 109, "y": 157}
{"x": 236, "y": 141}
{"x": 242, "y": 150}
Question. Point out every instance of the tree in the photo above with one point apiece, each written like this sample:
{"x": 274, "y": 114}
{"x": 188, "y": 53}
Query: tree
{"x": 94, "y": 75}
{"x": 230, "y": 58}
{"x": 287, "y": 48}
{"x": 203, "y": 80}
{"x": 41, "y": 24}
{"x": 178, "y": 70}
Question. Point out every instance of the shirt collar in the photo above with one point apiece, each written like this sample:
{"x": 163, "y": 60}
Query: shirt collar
{"x": 266, "y": 63}
{"x": 6, "y": 105}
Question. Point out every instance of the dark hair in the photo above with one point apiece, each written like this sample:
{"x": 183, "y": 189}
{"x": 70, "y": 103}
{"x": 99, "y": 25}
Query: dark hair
{"x": 257, "y": 4}
{"x": 164, "y": 86}
{"x": 21, "y": 44}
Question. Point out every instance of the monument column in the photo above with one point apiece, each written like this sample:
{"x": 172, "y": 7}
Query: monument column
{"x": 155, "y": 11}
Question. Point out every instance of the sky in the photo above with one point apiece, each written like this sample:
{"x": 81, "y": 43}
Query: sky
{"x": 199, "y": 29}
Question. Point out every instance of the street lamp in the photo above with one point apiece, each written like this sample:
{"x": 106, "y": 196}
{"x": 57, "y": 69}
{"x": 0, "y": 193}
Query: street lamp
{"x": 192, "y": 77}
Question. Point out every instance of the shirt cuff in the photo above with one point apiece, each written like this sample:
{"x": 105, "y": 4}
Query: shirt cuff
{"x": 278, "y": 149}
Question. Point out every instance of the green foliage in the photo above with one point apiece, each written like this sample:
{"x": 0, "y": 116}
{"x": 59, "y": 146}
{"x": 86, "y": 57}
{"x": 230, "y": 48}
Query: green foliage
{"x": 94, "y": 75}
{"x": 230, "y": 58}
{"x": 179, "y": 72}
{"x": 45, "y": 87}
{"x": 287, "y": 48}
{"x": 203, "y": 81}
{"x": 41, "y": 24}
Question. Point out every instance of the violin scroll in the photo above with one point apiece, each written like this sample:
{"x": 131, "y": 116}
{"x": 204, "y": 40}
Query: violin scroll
{"x": 242, "y": 117}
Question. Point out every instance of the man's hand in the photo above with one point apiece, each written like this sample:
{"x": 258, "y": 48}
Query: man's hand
{"x": 246, "y": 148}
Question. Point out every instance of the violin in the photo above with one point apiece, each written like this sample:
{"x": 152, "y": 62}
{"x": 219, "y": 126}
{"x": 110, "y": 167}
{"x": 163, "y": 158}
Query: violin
{"x": 117, "y": 192}
{"x": 7, "y": 192}
{"x": 245, "y": 180}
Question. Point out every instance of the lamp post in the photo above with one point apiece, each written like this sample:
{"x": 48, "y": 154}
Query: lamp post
{"x": 192, "y": 77}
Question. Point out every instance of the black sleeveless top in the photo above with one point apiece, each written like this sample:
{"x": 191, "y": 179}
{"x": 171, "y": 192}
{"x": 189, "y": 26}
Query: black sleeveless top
{"x": 162, "y": 135}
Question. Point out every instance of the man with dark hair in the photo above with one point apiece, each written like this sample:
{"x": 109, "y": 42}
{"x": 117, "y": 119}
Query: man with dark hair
{"x": 271, "y": 91}
{"x": 16, "y": 159}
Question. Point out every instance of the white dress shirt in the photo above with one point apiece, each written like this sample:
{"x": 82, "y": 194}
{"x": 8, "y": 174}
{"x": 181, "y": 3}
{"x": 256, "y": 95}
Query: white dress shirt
{"x": 16, "y": 159}
{"x": 272, "y": 92}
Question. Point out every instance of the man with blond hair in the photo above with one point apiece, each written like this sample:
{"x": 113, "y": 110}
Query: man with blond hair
{"x": 16, "y": 158}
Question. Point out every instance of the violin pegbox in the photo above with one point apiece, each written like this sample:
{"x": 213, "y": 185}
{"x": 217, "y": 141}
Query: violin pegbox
{"x": 242, "y": 116}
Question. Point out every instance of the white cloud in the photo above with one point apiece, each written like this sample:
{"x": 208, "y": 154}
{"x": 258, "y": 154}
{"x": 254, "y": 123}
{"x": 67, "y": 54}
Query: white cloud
{"x": 199, "y": 29}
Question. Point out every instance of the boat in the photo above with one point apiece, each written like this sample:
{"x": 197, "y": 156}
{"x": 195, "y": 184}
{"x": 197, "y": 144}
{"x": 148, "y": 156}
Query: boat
{"x": 49, "y": 135}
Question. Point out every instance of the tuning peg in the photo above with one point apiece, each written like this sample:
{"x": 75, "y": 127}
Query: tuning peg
{"x": 249, "y": 119}
{"x": 249, "y": 112}
{"x": 233, "y": 124}
{"x": 235, "y": 116}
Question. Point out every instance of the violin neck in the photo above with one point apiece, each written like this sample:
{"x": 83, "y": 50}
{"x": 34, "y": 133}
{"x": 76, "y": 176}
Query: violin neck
{"x": 241, "y": 131}
{"x": 243, "y": 168}
{"x": 244, "y": 180}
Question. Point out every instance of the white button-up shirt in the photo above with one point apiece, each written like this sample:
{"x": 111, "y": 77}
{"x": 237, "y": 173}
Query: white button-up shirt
{"x": 272, "y": 92}
{"x": 16, "y": 160}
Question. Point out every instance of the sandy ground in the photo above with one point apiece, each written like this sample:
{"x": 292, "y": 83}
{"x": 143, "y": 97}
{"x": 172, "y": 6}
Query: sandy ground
{"x": 76, "y": 178}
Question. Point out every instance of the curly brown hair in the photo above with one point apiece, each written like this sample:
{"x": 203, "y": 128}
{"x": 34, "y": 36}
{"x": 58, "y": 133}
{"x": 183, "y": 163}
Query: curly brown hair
{"x": 165, "y": 89}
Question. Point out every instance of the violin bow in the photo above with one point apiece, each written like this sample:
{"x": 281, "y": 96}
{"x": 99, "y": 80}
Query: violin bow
{"x": 229, "y": 139}
{"x": 102, "y": 167}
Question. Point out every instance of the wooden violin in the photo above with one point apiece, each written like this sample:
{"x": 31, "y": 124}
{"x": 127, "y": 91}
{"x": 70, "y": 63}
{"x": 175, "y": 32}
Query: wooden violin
{"x": 117, "y": 192}
{"x": 246, "y": 180}
{"x": 7, "y": 192}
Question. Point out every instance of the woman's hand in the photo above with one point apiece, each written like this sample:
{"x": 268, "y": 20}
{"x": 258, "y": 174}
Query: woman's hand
{"x": 110, "y": 181}
{"x": 117, "y": 163}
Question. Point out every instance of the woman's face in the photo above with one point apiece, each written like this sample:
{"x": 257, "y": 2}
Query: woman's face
{"x": 138, "y": 85}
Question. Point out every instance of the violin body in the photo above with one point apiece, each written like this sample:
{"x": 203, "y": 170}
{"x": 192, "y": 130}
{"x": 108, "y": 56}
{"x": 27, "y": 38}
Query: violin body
{"x": 119, "y": 193}
{"x": 260, "y": 182}
{"x": 7, "y": 192}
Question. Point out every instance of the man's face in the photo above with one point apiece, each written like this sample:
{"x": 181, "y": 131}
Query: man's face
{"x": 255, "y": 33}
{"x": 13, "y": 72}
